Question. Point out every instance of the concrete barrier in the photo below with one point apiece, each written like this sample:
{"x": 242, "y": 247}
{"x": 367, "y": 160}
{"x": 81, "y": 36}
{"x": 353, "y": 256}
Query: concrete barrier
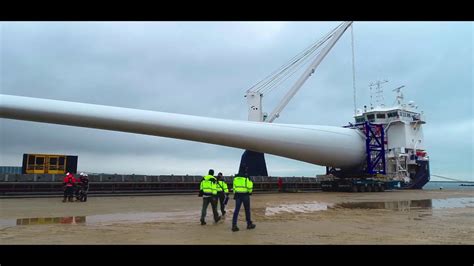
{"x": 297, "y": 179}
{"x": 44, "y": 178}
{"x": 269, "y": 179}
{"x": 107, "y": 184}
{"x": 112, "y": 178}
{"x": 188, "y": 178}
{"x": 170, "y": 178}
{"x": 134, "y": 178}
{"x": 152, "y": 178}
{"x": 94, "y": 178}
{"x": 21, "y": 178}
{"x": 144, "y": 178}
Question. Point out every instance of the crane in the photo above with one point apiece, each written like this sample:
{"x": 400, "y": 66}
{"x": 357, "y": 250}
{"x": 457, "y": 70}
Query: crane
{"x": 254, "y": 162}
{"x": 254, "y": 97}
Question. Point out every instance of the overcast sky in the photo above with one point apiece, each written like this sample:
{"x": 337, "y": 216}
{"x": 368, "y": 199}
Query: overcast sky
{"x": 204, "y": 68}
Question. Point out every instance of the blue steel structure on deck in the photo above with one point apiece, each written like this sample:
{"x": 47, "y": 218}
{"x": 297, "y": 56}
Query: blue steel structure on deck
{"x": 374, "y": 145}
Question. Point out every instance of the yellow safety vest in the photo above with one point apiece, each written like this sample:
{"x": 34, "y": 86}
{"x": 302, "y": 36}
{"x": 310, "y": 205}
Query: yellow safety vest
{"x": 222, "y": 186}
{"x": 208, "y": 185}
{"x": 242, "y": 185}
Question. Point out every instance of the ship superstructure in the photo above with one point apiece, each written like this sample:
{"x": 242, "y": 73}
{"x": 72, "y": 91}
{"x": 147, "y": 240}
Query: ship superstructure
{"x": 405, "y": 155}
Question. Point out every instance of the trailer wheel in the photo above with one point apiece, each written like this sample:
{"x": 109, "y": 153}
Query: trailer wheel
{"x": 354, "y": 188}
{"x": 377, "y": 188}
{"x": 382, "y": 188}
{"x": 369, "y": 188}
{"x": 361, "y": 188}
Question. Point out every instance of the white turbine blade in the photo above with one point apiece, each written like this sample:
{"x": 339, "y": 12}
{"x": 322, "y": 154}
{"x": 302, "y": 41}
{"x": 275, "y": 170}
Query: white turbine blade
{"x": 322, "y": 145}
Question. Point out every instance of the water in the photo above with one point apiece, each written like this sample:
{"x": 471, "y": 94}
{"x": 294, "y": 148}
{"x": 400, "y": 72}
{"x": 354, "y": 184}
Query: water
{"x": 292, "y": 208}
{"x": 102, "y": 219}
{"x": 178, "y": 216}
{"x": 406, "y": 205}
{"x": 449, "y": 185}
{"x": 402, "y": 205}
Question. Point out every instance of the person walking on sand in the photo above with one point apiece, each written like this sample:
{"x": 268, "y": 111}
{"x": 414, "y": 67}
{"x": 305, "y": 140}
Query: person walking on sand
{"x": 242, "y": 187}
{"x": 222, "y": 192}
{"x": 208, "y": 192}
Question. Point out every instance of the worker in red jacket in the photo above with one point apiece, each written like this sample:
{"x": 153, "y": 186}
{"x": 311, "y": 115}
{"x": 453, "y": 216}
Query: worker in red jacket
{"x": 68, "y": 183}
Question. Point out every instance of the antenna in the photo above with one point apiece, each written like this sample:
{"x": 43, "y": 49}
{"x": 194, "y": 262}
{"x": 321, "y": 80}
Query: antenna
{"x": 378, "y": 93}
{"x": 399, "y": 94}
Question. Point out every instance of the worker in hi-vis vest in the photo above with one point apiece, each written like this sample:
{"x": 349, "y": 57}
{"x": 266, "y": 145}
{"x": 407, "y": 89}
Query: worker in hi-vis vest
{"x": 222, "y": 192}
{"x": 208, "y": 192}
{"x": 242, "y": 187}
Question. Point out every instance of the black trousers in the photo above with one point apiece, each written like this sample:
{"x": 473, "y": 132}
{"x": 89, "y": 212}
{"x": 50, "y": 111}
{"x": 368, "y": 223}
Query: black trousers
{"x": 221, "y": 197}
{"x": 68, "y": 193}
{"x": 84, "y": 191}
{"x": 77, "y": 192}
{"x": 205, "y": 204}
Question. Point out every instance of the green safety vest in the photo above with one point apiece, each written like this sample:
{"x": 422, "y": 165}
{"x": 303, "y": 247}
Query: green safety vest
{"x": 209, "y": 185}
{"x": 222, "y": 186}
{"x": 242, "y": 185}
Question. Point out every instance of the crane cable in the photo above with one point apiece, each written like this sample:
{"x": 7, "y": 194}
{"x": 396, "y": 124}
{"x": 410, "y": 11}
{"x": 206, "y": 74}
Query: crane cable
{"x": 270, "y": 81}
{"x": 270, "y": 84}
{"x": 301, "y": 56}
{"x": 299, "y": 62}
{"x": 277, "y": 85}
{"x": 280, "y": 70}
{"x": 284, "y": 76}
{"x": 353, "y": 68}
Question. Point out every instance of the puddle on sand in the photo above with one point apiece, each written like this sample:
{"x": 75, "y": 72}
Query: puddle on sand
{"x": 302, "y": 207}
{"x": 308, "y": 207}
{"x": 410, "y": 204}
{"x": 142, "y": 217}
{"x": 403, "y": 205}
{"x": 42, "y": 220}
{"x": 102, "y": 219}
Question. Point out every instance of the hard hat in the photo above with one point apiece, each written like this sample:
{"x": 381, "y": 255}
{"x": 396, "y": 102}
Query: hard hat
{"x": 81, "y": 174}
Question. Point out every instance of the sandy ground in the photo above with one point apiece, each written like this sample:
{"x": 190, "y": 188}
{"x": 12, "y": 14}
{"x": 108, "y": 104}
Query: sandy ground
{"x": 394, "y": 217}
